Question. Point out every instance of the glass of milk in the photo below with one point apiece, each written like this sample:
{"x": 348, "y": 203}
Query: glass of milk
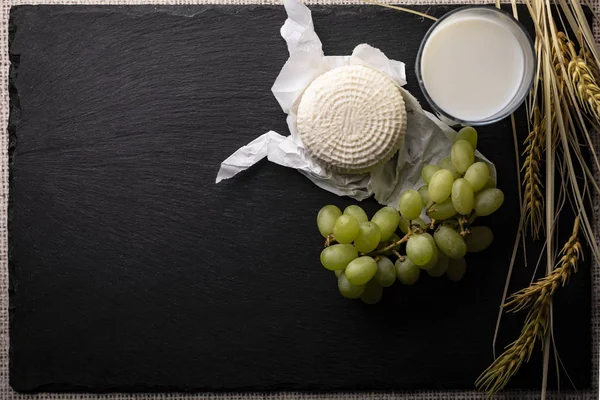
{"x": 476, "y": 65}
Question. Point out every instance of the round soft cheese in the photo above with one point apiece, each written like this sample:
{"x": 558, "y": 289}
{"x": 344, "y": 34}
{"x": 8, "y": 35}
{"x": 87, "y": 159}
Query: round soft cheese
{"x": 352, "y": 119}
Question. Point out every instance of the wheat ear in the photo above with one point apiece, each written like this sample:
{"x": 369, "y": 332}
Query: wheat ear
{"x": 583, "y": 78}
{"x": 547, "y": 286}
{"x": 532, "y": 177}
{"x": 537, "y": 297}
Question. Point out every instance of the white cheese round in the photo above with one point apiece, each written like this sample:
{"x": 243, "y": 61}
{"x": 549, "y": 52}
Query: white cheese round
{"x": 352, "y": 119}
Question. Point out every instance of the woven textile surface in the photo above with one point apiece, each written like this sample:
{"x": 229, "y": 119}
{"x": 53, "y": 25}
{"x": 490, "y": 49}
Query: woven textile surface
{"x": 6, "y": 393}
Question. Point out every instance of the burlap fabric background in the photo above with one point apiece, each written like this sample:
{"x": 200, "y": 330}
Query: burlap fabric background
{"x": 6, "y": 393}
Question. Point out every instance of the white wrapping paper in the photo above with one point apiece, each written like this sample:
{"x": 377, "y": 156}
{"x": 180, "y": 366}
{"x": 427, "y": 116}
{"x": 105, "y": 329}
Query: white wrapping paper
{"x": 427, "y": 138}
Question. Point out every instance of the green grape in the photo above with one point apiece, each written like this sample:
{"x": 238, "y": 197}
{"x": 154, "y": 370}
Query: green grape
{"x": 440, "y": 185}
{"x": 410, "y": 204}
{"x": 446, "y": 163}
{"x": 361, "y": 270}
{"x": 456, "y": 269}
{"x": 430, "y": 238}
{"x": 326, "y": 219}
{"x": 490, "y": 184}
{"x": 356, "y": 212}
{"x": 462, "y": 196}
{"x": 428, "y": 171}
{"x": 469, "y": 134}
{"x": 443, "y": 210}
{"x": 488, "y": 201}
{"x": 345, "y": 229}
{"x": 338, "y": 272}
{"x": 478, "y": 175}
{"x": 479, "y": 239}
{"x": 419, "y": 249}
{"x": 368, "y": 237}
{"x": 387, "y": 219}
{"x": 420, "y": 223}
{"x": 450, "y": 242}
{"x": 349, "y": 290}
{"x": 440, "y": 266}
{"x": 386, "y": 273}
{"x": 463, "y": 155}
{"x": 406, "y": 271}
{"x": 372, "y": 293}
{"x": 406, "y": 225}
{"x": 424, "y": 193}
{"x": 434, "y": 259}
{"x": 338, "y": 256}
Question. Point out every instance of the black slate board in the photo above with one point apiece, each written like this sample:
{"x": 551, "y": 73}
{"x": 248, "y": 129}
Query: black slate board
{"x": 131, "y": 270}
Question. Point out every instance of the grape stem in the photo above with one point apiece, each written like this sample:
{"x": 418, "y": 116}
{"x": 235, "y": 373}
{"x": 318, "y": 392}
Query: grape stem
{"x": 463, "y": 222}
{"x": 432, "y": 224}
{"x": 430, "y": 208}
{"x": 330, "y": 238}
{"x": 393, "y": 245}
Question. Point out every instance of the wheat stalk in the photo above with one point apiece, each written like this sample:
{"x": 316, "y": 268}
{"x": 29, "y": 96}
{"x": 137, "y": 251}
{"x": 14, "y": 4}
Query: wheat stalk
{"x": 537, "y": 297}
{"x": 564, "y": 90}
{"x": 532, "y": 177}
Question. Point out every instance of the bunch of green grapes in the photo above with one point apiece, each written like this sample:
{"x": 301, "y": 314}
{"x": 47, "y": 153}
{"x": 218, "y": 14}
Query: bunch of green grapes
{"x": 435, "y": 220}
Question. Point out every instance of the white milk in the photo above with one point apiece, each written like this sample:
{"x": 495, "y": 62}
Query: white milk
{"x": 472, "y": 67}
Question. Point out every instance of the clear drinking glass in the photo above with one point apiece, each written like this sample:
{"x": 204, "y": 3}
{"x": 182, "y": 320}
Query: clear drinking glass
{"x": 529, "y": 59}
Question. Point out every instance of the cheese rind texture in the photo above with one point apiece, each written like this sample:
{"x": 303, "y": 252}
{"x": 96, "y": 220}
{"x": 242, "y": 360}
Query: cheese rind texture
{"x": 352, "y": 119}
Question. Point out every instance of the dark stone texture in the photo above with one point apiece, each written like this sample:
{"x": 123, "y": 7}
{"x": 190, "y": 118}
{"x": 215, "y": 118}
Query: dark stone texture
{"x": 130, "y": 270}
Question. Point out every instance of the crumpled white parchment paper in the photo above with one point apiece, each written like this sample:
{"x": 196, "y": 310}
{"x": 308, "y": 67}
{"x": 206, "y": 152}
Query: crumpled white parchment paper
{"x": 427, "y": 139}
